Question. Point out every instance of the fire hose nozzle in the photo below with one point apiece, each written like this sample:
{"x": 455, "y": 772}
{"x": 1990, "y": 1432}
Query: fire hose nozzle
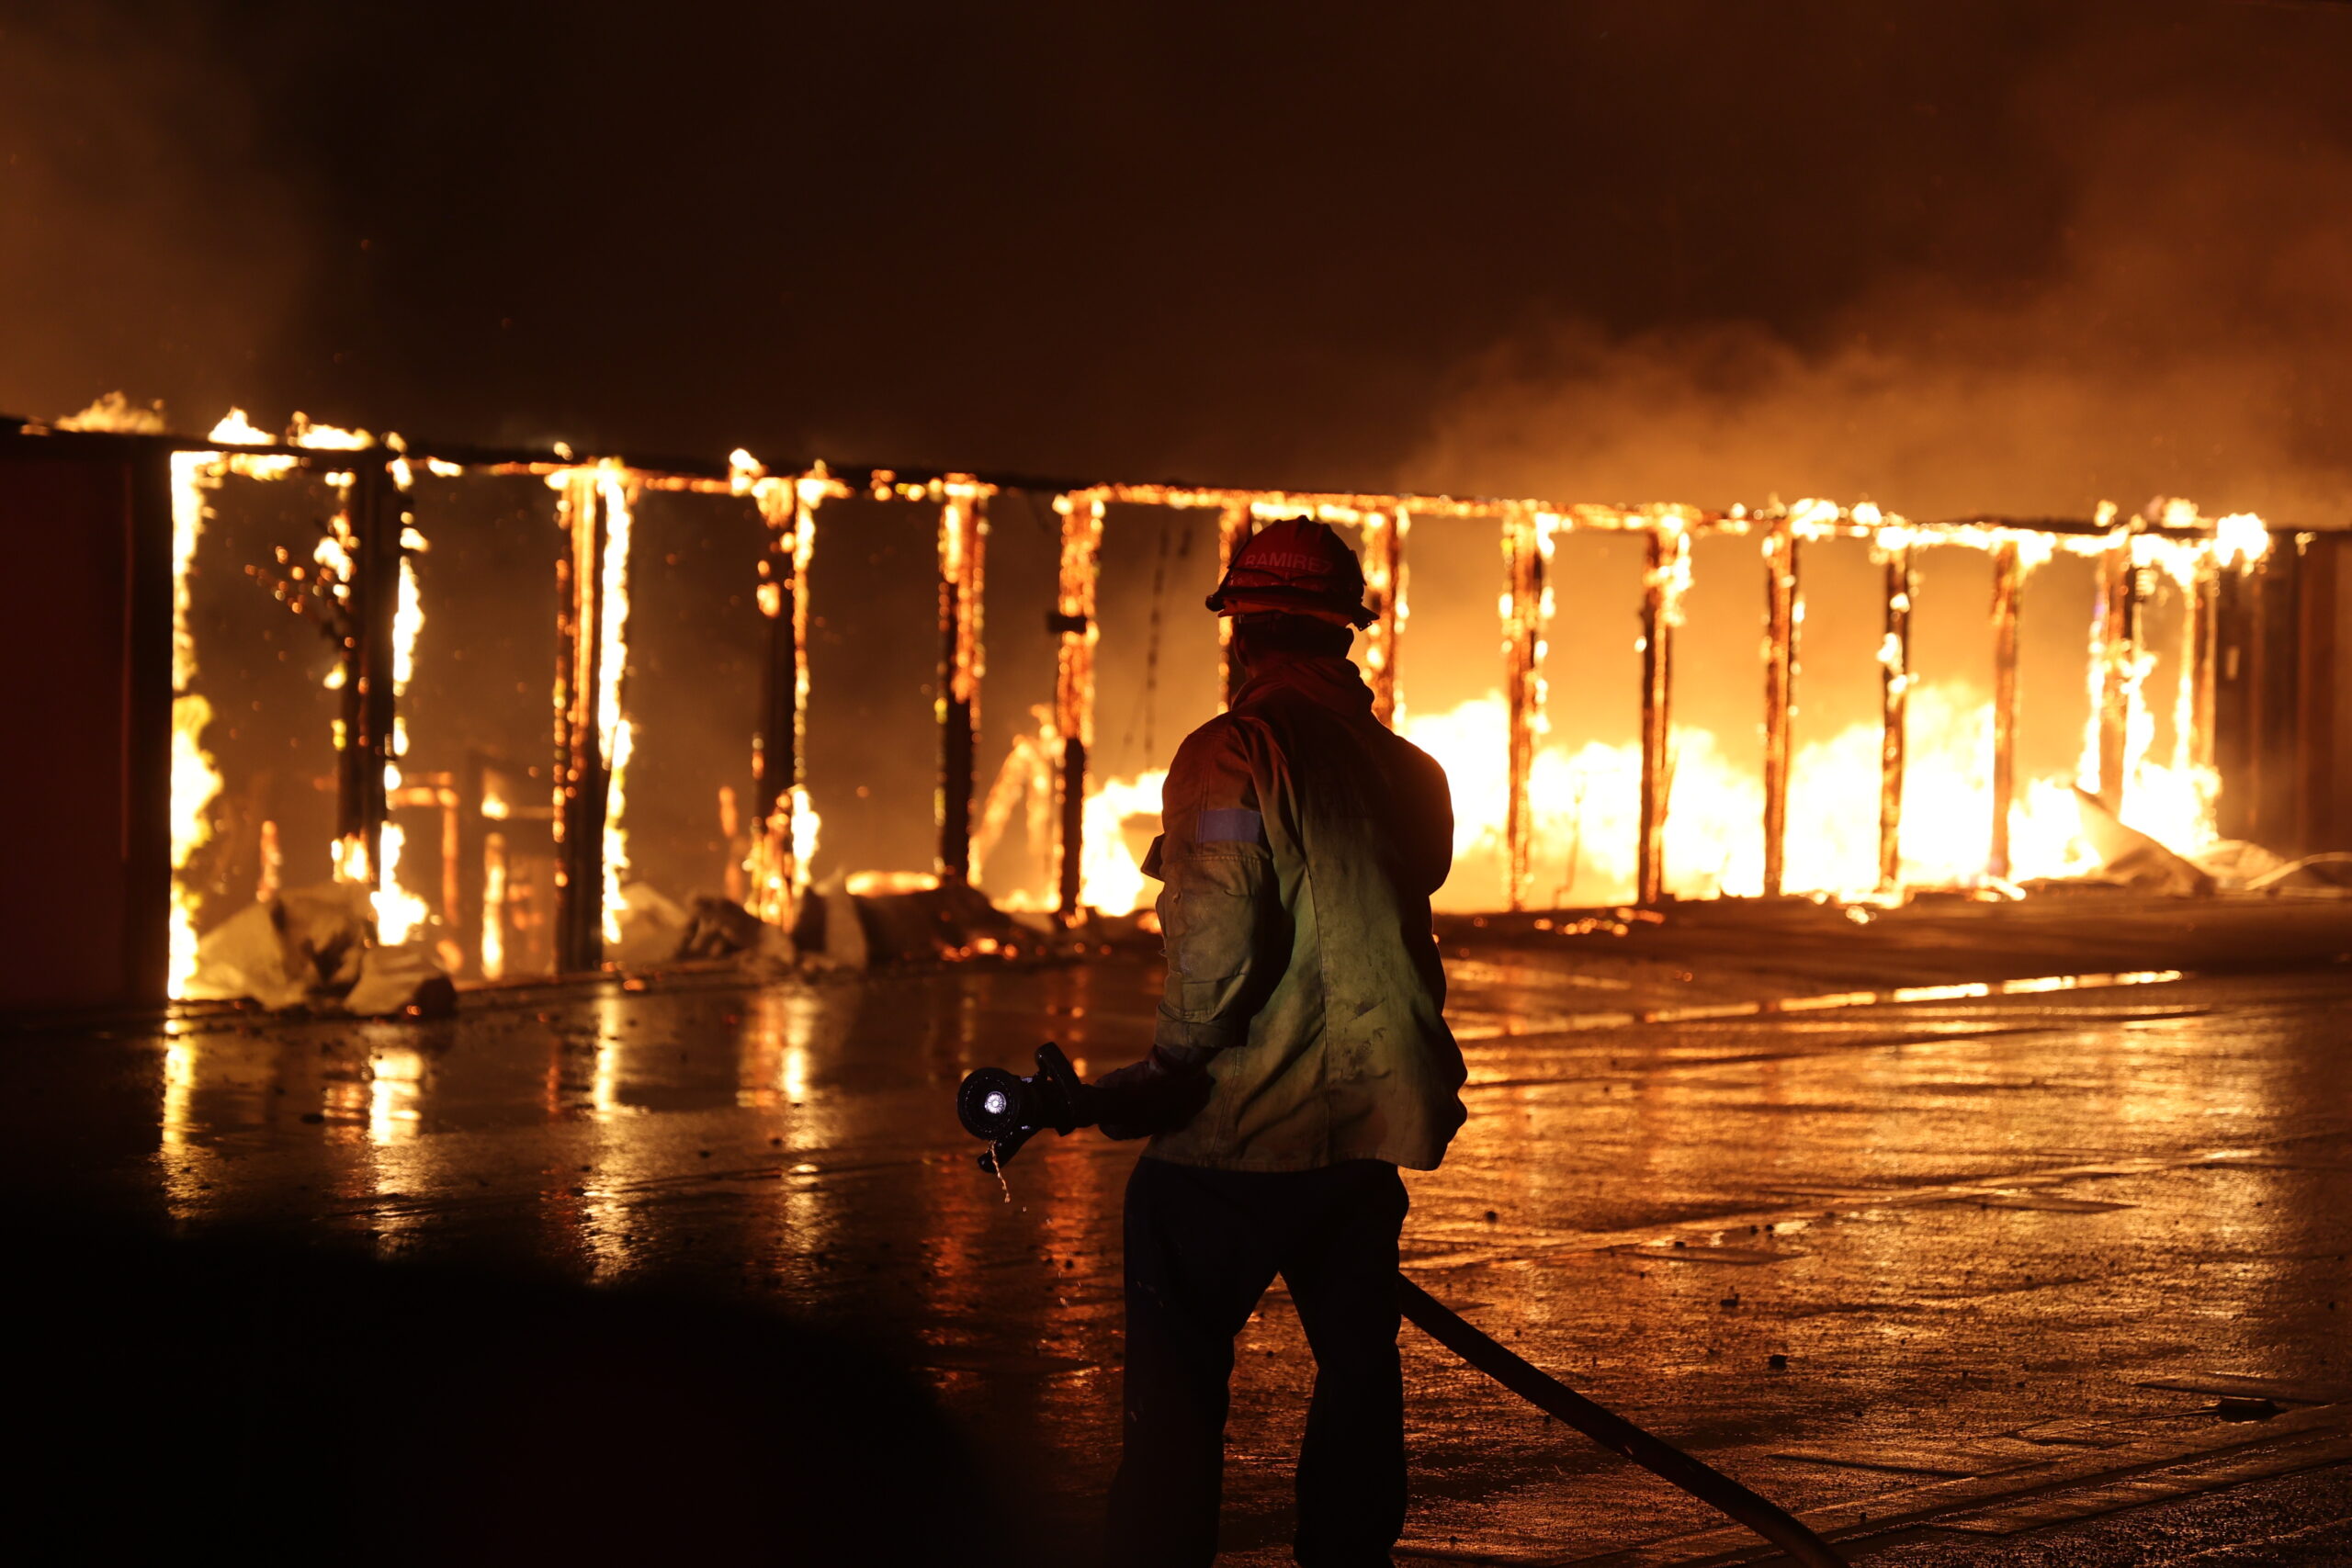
{"x": 1008, "y": 1109}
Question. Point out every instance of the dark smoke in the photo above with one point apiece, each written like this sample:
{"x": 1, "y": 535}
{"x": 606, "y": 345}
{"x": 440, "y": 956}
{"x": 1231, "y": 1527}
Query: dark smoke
{"x": 2191, "y": 334}
{"x": 1994, "y": 254}
{"x": 147, "y": 243}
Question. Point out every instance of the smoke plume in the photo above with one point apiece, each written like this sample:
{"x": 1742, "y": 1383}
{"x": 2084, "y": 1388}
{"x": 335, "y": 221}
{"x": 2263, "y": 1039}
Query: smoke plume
{"x": 145, "y": 244}
{"x": 2191, "y": 336}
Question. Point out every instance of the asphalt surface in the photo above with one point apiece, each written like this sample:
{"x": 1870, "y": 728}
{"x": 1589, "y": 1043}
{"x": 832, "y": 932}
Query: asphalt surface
{"x": 1849, "y": 1250}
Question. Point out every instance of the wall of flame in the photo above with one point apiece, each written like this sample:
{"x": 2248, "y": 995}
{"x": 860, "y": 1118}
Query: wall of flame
{"x": 1876, "y": 810}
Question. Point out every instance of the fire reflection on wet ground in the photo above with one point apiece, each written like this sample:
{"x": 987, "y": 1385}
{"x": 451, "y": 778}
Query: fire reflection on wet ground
{"x": 1960, "y": 1220}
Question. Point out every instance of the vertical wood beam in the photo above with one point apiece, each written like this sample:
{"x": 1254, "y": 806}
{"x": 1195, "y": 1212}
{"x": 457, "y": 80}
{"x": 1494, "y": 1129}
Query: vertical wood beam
{"x": 1384, "y": 575}
{"x": 2200, "y": 641}
{"x": 471, "y": 908}
{"x": 2236, "y": 734}
{"x": 1779, "y": 693}
{"x": 354, "y": 851}
{"x": 1894, "y": 701}
{"x": 779, "y": 766}
{"x": 146, "y": 846}
{"x": 376, "y": 515}
{"x": 2277, "y": 584}
{"x": 580, "y": 775}
{"x": 1527, "y": 545}
{"x": 1073, "y": 620}
{"x": 963, "y": 542}
{"x": 775, "y": 753}
{"x": 2113, "y": 648}
{"x": 2008, "y": 575}
{"x": 1665, "y": 573}
{"x": 2317, "y": 827}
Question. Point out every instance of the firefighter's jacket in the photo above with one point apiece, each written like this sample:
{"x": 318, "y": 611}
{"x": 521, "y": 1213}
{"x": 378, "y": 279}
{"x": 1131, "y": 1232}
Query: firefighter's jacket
{"x": 1301, "y": 840}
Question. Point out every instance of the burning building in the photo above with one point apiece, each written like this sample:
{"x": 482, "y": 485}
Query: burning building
{"x": 520, "y": 704}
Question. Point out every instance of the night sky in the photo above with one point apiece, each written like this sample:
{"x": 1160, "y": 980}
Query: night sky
{"x": 1959, "y": 257}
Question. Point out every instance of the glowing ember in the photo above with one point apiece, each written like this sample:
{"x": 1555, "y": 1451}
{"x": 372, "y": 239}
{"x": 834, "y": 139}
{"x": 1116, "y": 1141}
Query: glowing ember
{"x": 867, "y": 883}
{"x": 273, "y": 865}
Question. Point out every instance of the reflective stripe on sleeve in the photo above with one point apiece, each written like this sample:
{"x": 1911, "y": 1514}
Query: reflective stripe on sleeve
{"x": 1231, "y": 825}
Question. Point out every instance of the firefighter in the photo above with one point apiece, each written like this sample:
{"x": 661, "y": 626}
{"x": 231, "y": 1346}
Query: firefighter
{"x": 1300, "y": 1057}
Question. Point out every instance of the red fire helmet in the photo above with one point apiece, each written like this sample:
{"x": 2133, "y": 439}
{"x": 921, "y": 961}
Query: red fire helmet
{"x": 1296, "y": 567}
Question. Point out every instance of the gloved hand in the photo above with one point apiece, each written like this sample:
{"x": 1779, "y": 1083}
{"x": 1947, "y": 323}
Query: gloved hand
{"x": 1157, "y": 1094}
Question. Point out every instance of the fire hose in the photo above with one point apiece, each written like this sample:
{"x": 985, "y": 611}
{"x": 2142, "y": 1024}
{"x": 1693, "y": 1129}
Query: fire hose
{"x": 1007, "y": 1111}
{"x": 1612, "y": 1431}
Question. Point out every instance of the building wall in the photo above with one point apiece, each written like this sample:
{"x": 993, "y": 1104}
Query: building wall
{"x": 85, "y": 686}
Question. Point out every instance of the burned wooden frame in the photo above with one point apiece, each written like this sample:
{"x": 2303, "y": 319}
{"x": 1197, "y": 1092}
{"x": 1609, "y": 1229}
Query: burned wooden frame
{"x": 1529, "y": 531}
{"x": 2225, "y": 563}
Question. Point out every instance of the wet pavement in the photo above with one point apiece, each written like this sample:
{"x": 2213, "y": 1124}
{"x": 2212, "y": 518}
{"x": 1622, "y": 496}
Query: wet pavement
{"x": 1851, "y": 1250}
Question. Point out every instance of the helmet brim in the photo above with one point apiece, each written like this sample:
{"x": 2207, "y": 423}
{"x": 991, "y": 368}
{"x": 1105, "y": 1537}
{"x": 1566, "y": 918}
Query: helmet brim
{"x": 1257, "y": 601}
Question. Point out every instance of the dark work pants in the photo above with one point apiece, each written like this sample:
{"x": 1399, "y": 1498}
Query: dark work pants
{"x": 1202, "y": 1247}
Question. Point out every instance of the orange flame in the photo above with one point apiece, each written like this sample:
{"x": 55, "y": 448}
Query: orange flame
{"x": 1584, "y": 805}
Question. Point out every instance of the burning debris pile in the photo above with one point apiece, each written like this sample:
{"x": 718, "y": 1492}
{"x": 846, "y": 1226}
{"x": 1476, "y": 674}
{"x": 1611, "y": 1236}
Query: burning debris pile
{"x": 318, "y": 948}
{"x": 500, "y": 866}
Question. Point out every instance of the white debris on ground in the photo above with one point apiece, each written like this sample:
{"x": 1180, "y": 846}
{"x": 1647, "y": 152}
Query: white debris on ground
{"x": 2133, "y": 858}
{"x": 652, "y": 928}
{"x": 396, "y": 979}
{"x": 311, "y": 947}
{"x": 860, "y": 922}
{"x": 2234, "y": 862}
{"x": 721, "y": 928}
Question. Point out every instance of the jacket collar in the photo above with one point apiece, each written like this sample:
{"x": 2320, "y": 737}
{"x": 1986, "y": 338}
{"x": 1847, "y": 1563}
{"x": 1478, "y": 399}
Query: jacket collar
{"x": 1333, "y": 682}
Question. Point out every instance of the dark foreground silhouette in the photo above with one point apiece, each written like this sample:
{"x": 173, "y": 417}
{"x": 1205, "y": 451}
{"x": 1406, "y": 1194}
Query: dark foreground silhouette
{"x": 170, "y": 1399}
